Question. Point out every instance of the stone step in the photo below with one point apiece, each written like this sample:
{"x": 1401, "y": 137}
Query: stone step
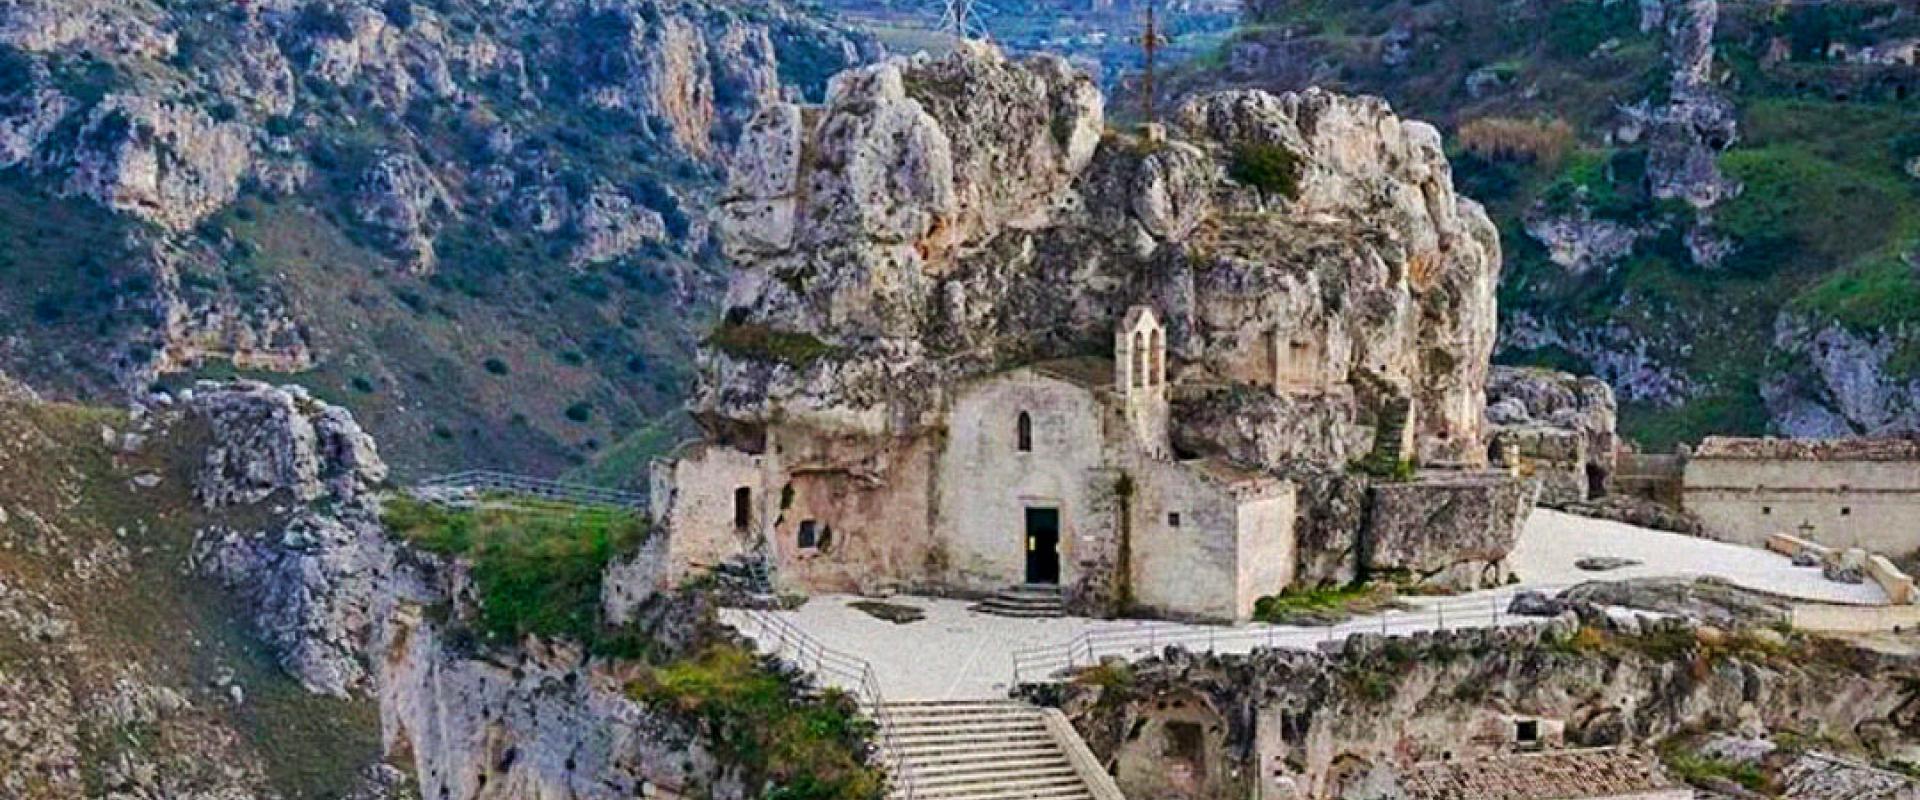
{"x": 978, "y": 751}
{"x": 1052, "y": 793}
{"x": 913, "y": 715}
{"x": 925, "y": 773}
{"x": 996, "y": 787}
{"x": 954, "y": 730}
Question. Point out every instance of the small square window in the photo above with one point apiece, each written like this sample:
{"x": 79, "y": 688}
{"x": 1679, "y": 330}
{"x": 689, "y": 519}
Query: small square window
{"x": 809, "y": 534}
{"x": 1173, "y": 519}
{"x": 1527, "y": 731}
{"x": 1846, "y": 511}
{"x": 1766, "y": 510}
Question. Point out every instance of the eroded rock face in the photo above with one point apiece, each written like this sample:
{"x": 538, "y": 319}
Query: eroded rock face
{"x": 165, "y": 163}
{"x": 1453, "y": 531}
{"x": 400, "y": 197}
{"x": 1303, "y": 724}
{"x": 1561, "y": 425}
{"x": 946, "y": 201}
{"x": 1852, "y": 388}
{"x": 319, "y": 574}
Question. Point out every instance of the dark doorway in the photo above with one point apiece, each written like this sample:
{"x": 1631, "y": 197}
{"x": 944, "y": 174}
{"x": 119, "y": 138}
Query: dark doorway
{"x": 1043, "y": 545}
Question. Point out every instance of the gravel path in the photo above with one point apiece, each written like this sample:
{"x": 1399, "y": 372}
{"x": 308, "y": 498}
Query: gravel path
{"x": 1553, "y": 541}
{"x": 954, "y": 653}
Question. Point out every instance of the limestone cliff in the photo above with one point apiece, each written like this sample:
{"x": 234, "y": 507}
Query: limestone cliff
{"x": 296, "y": 534}
{"x": 920, "y": 227}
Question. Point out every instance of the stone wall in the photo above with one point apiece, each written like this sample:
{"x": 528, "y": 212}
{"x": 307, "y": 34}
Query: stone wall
{"x": 1873, "y": 505}
{"x": 868, "y": 505}
{"x": 1201, "y": 549}
{"x": 987, "y": 483}
{"x": 693, "y": 497}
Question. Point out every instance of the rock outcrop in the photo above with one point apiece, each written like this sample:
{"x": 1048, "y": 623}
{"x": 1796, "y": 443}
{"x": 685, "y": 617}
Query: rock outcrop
{"x": 318, "y": 576}
{"x": 1852, "y": 385}
{"x": 945, "y": 199}
{"x": 1559, "y": 425}
{"x": 1303, "y": 724}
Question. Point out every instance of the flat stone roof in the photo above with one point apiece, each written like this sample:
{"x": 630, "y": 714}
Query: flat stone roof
{"x": 1550, "y": 775}
{"x": 1771, "y": 449}
{"x": 1092, "y": 372}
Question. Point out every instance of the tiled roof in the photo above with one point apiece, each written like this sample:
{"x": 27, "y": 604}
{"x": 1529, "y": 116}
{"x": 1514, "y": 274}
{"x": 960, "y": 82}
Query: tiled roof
{"x": 1552, "y": 775}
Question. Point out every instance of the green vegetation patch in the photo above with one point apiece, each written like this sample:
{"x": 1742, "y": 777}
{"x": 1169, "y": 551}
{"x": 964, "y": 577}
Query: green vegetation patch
{"x": 1323, "y": 606}
{"x": 1802, "y": 212}
{"x": 1880, "y": 293}
{"x": 1271, "y": 168}
{"x": 538, "y": 569}
{"x": 800, "y": 748}
{"x": 761, "y": 343}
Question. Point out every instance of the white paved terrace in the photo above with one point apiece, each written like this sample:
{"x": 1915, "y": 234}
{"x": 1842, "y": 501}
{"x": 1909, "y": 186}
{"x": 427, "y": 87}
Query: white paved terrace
{"x": 955, "y": 653}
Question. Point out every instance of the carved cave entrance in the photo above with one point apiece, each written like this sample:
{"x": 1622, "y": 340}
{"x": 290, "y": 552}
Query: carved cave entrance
{"x": 1043, "y": 546}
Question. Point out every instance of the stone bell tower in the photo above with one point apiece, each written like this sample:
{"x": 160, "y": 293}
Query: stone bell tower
{"x": 1140, "y": 376}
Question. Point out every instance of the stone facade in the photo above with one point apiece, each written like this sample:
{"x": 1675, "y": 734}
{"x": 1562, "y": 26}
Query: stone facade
{"x": 1056, "y": 473}
{"x": 1839, "y": 493}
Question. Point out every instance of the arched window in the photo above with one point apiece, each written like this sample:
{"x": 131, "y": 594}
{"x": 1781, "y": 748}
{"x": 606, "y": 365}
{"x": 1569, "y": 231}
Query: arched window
{"x": 1159, "y": 375}
{"x": 1024, "y": 430}
{"x": 1139, "y": 360}
{"x": 742, "y": 508}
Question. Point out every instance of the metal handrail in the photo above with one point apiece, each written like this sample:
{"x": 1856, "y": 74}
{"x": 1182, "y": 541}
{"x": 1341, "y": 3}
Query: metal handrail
{"x": 483, "y": 480}
{"x": 1044, "y": 663}
{"x": 850, "y": 670}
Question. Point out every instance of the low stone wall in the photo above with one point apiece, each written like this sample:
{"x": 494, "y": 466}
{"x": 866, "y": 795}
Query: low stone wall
{"x": 1898, "y": 585}
{"x": 1830, "y": 618}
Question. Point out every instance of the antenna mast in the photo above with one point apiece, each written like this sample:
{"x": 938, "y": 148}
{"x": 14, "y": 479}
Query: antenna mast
{"x": 962, "y": 19}
{"x": 1150, "y": 41}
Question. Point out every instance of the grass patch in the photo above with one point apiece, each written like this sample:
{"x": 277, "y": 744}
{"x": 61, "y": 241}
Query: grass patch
{"x": 793, "y": 748}
{"x": 1881, "y": 293}
{"x": 1323, "y": 606}
{"x": 1700, "y": 770}
{"x": 761, "y": 343}
{"x": 538, "y": 570}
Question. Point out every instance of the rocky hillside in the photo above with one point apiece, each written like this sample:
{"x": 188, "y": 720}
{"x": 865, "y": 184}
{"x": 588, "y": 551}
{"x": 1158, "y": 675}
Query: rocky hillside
{"x": 481, "y": 225}
{"x": 1714, "y": 206}
{"x": 211, "y": 597}
{"x": 122, "y": 674}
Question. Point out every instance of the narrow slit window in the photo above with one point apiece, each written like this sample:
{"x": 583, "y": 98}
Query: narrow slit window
{"x": 1025, "y": 432}
{"x": 742, "y": 508}
{"x": 1173, "y": 519}
{"x": 809, "y": 534}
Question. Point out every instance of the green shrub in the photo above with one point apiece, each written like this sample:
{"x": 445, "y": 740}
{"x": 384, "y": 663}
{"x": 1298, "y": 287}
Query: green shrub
{"x": 1322, "y": 605}
{"x": 1271, "y": 168}
{"x": 761, "y": 343}
{"x": 799, "y": 749}
{"x": 537, "y": 569}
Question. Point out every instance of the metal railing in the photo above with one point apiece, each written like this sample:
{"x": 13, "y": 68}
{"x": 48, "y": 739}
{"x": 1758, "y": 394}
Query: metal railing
{"x": 783, "y": 640}
{"x": 481, "y": 481}
{"x": 1050, "y": 662}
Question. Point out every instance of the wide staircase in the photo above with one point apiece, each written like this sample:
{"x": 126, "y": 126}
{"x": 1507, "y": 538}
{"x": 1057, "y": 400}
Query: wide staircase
{"x": 987, "y": 750}
{"x": 1028, "y": 601}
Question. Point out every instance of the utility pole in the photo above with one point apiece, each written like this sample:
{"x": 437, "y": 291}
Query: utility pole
{"x": 1150, "y": 41}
